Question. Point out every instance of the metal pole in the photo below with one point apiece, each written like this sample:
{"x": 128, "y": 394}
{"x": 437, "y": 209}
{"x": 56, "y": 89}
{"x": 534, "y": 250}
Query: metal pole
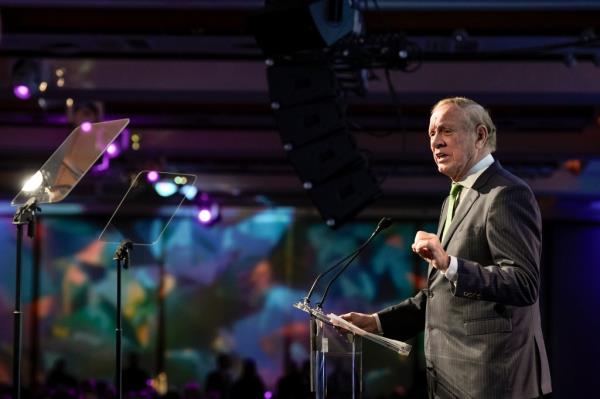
{"x": 17, "y": 319}
{"x": 119, "y": 333}
{"x": 34, "y": 340}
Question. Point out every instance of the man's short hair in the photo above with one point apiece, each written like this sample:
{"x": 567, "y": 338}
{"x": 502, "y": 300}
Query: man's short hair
{"x": 476, "y": 114}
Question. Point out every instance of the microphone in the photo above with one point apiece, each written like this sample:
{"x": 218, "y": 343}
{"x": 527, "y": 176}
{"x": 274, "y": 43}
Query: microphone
{"x": 383, "y": 224}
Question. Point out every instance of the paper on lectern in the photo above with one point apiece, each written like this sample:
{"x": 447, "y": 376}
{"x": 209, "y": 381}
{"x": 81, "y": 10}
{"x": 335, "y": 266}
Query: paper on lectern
{"x": 397, "y": 346}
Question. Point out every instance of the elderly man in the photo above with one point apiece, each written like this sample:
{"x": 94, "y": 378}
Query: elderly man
{"x": 480, "y": 310}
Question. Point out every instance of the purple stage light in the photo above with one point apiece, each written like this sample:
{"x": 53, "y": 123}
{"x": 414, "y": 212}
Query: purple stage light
{"x": 113, "y": 150}
{"x": 209, "y": 212}
{"x": 22, "y": 92}
{"x": 86, "y": 127}
{"x": 152, "y": 176}
{"x": 268, "y": 395}
{"x": 205, "y": 216}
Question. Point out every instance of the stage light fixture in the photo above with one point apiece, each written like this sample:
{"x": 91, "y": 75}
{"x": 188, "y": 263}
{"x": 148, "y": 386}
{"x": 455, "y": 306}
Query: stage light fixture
{"x": 209, "y": 211}
{"x": 288, "y": 26}
{"x": 208, "y": 214}
{"x": 189, "y": 191}
{"x": 165, "y": 188}
{"x": 86, "y": 127}
{"x": 113, "y": 150}
{"x": 25, "y": 78}
{"x": 22, "y": 92}
{"x": 34, "y": 182}
{"x": 152, "y": 176}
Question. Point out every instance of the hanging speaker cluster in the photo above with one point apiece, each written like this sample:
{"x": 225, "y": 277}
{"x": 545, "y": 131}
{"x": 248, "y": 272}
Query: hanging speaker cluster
{"x": 310, "y": 115}
{"x": 308, "y": 105}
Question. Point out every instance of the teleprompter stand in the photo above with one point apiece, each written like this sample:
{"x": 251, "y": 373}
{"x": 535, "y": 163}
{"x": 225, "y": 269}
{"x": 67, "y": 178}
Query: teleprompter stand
{"x": 50, "y": 184}
{"x": 26, "y": 215}
{"x": 141, "y": 199}
{"x": 122, "y": 258}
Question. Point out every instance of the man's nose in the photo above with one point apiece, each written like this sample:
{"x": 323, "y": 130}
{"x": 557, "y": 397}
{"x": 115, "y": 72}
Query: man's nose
{"x": 436, "y": 141}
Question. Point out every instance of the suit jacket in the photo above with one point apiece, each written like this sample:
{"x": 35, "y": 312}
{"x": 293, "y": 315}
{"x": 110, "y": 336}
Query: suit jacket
{"x": 483, "y": 333}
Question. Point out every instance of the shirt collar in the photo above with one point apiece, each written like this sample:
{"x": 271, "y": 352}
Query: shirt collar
{"x": 469, "y": 179}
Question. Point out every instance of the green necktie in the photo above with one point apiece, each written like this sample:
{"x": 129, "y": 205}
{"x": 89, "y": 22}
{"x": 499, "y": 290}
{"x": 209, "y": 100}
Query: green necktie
{"x": 454, "y": 193}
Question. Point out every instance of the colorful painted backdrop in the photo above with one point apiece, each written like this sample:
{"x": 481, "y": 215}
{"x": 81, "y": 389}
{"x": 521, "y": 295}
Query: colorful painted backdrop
{"x": 229, "y": 287}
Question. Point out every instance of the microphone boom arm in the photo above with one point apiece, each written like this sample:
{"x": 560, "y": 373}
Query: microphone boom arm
{"x": 383, "y": 224}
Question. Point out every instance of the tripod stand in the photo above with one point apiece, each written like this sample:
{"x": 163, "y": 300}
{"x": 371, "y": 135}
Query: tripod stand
{"x": 25, "y": 215}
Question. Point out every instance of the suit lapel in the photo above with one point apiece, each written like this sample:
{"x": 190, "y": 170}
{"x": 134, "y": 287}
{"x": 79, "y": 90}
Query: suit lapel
{"x": 439, "y": 230}
{"x": 461, "y": 211}
{"x": 442, "y": 217}
{"x": 468, "y": 200}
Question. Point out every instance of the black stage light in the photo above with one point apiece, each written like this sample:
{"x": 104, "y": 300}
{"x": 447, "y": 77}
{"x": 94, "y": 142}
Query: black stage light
{"x": 288, "y": 26}
{"x": 25, "y": 78}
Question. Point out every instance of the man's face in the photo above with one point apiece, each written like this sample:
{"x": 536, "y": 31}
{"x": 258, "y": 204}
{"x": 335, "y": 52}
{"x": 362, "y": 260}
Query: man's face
{"x": 453, "y": 141}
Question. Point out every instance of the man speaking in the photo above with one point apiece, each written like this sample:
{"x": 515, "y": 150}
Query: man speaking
{"x": 480, "y": 311}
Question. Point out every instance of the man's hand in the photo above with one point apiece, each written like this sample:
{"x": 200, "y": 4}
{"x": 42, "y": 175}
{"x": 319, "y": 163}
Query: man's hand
{"x": 365, "y": 321}
{"x": 428, "y": 247}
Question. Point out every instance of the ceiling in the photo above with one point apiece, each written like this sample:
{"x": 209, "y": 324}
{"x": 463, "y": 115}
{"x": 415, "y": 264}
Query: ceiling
{"x": 190, "y": 77}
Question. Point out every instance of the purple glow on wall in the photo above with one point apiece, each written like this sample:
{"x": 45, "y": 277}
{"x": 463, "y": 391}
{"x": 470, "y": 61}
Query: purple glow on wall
{"x": 102, "y": 166}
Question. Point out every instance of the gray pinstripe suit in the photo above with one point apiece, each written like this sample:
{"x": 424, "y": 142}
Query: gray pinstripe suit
{"x": 483, "y": 337}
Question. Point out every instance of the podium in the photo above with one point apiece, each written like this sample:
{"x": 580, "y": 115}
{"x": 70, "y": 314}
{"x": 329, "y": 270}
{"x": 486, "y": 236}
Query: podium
{"x": 336, "y": 353}
{"x": 338, "y": 363}
{"x": 336, "y": 344}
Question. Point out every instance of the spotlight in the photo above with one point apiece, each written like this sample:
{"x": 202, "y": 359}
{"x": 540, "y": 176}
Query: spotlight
{"x": 165, "y": 188}
{"x": 87, "y": 127}
{"x": 285, "y": 27}
{"x": 152, "y": 176}
{"x": 205, "y": 215}
{"x": 25, "y": 78}
{"x": 33, "y": 183}
{"x": 209, "y": 212}
{"x": 189, "y": 191}
{"x": 113, "y": 150}
{"x": 22, "y": 92}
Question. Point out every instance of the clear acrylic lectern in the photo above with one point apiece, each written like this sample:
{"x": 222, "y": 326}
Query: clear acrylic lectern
{"x": 336, "y": 350}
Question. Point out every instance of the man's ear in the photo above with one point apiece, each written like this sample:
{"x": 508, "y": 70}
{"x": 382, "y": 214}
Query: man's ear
{"x": 482, "y": 135}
